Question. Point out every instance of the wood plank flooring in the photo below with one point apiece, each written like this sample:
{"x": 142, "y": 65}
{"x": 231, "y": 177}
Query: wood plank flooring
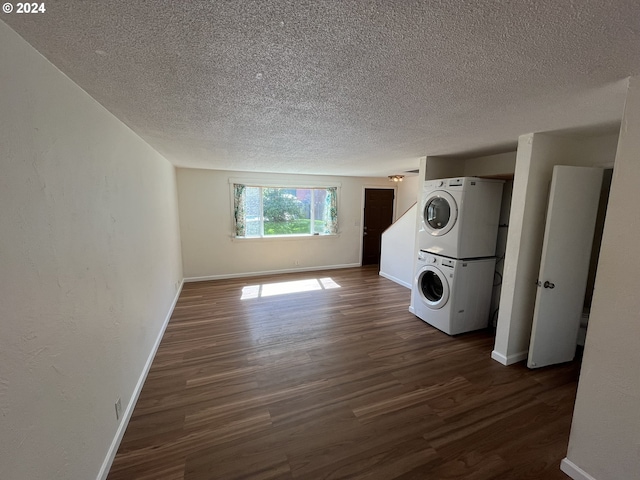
{"x": 336, "y": 381}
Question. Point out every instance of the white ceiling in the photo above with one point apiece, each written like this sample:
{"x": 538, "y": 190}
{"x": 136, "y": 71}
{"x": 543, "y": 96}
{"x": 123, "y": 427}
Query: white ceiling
{"x": 342, "y": 87}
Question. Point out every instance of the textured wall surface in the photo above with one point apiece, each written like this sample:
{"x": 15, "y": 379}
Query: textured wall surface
{"x": 605, "y": 434}
{"x": 89, "y": 262}
{"x": 407, "y": 193}
{"x": 361, "y": 87}
{"x": 397, "y": 258}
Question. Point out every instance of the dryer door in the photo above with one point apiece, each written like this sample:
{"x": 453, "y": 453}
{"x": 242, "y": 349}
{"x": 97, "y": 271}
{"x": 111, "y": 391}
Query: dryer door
{"x": 439, "y": 212}
{"x": 433, "y": 287}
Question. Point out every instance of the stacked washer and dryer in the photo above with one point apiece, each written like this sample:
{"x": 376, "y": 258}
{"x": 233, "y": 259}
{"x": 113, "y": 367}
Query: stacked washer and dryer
{"x": 456, "y": 258}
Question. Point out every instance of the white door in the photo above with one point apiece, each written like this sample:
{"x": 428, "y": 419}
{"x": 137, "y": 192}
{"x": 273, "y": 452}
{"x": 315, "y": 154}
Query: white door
{"x": 564, "y": 267}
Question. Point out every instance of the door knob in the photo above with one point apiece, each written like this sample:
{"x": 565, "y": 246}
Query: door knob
{"x": 548, "y": 284}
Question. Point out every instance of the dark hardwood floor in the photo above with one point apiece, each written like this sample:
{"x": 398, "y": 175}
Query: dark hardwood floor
{"x": 336, "y": 383}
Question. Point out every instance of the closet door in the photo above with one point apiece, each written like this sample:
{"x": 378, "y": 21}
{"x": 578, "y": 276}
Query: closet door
{"x": 564, "y": 267}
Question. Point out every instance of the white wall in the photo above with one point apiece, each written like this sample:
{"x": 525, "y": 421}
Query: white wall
{"x": 501, "y": 164}
{"x": 442, "y": 167}
{"x": 89, "y": 262}
{"x": 397, "y": 259}
{"x": 209, "y": 251}
{"x": 605, "y": 434}
{"x": 537, "y": 154}
{"x": 407, "y": 193}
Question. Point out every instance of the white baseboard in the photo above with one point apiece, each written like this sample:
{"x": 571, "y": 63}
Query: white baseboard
{"x": 269, "y": 272}
{"x": 509, "y": 359}
{"x": 394, "y": 279}
{"x": 113, "y": 449}
{"x": 574, "y": 471}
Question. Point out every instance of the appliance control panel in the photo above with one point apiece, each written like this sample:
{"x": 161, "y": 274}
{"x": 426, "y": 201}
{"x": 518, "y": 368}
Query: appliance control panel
{"x": 446, "y": 262}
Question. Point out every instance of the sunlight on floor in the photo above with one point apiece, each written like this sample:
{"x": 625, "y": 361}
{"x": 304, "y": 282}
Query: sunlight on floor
{"x": 283, "y": 288}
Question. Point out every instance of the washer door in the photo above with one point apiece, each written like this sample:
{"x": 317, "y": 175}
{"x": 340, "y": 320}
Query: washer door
{"x": 433, "y": 287}
{"x": 439, "y": 213}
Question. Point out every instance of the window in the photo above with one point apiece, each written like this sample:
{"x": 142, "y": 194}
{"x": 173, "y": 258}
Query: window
{"x": 277, "y": 211}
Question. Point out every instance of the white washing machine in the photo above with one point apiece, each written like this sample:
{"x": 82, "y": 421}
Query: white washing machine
{"x": 460, "y": 216}
{"x": 453, "y": 295}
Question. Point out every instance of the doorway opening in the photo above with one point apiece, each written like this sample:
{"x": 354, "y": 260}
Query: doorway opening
{"x": 595, "y": 252}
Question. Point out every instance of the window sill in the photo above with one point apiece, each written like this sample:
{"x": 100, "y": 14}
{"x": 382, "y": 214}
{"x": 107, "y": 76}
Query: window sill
{"x": 272, "y": 238}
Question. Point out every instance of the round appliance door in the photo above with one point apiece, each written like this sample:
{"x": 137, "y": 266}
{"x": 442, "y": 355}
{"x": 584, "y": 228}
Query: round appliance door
{"x": 439, "y": 213}
{"x": 433, "y": 287}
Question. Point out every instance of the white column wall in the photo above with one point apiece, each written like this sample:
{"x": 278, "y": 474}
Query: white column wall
{"x": 605, "y": 434}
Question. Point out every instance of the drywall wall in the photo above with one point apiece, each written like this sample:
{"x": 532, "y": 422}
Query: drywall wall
{"x": 407, "y": 193}
{"x": 536, "y": 156}
{"x": 501, "y": 164}
{"x": 605, "y": 433}
{"x": 442, "y": 167}
{"x": 397, "y": 248}
{"x": 89, "y": 267}
{"x": 397, "y": 259}
{"x": 210, "y": 251}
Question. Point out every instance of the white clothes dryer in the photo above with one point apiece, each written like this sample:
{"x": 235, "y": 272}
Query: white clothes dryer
{"x": 460, "y": 216}
{"x": 453, "y": 295}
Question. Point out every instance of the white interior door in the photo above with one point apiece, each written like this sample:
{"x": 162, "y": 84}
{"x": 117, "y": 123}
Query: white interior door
{"x": 564, "y": 267}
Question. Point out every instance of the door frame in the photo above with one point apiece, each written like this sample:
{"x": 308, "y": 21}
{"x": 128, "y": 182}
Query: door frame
{"x": 362, "y": 200}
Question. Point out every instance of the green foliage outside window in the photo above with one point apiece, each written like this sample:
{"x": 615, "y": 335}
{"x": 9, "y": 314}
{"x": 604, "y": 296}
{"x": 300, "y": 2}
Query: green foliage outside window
{"x": 279, "y": 206}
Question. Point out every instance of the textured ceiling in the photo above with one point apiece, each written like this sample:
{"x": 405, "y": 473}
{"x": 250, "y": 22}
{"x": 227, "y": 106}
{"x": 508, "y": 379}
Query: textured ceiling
{"x": 342, "y": 87}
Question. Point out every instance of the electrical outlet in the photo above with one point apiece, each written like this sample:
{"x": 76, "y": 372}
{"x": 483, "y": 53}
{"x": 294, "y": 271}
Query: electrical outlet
{"x": 118, "y": 409}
